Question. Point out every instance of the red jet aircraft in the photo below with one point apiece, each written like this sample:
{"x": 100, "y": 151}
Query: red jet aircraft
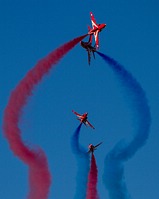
{"x": 92, "y": 147}
{"x": 96, "y": 28}
{"x": 89, "y": 48}
{"x": 83, "y": 119}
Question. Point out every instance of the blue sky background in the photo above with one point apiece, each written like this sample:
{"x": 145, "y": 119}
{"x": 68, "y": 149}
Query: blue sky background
{"x": 32, "y": 29}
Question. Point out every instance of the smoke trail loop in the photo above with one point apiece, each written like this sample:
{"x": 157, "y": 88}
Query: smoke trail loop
{"x": 35, "y": 159}
{"x": 113, "y": 176}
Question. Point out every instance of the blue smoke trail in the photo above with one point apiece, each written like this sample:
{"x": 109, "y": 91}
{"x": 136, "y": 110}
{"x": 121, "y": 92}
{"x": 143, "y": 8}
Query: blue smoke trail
{"x": 83, "y": 165}
{"x": 113, "y": 176}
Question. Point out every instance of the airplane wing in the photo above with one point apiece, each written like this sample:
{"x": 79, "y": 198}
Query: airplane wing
{"x": 76, "y": 113}
{"x": 94, "y": 24}
{"x": 97, "y": 145}
{"x": 88, "y": 123}
{"x": 96, "y": 38}
{"x": 89, "y": 57}
{"x": 89, "y": 151}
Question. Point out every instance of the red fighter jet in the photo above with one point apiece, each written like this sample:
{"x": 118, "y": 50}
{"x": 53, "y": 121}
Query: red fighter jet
{"x": 92, "y": 147}
{"x": 89, "y": 48}
{"x": 96, "y": 28}
{"x": 83, "y": 119}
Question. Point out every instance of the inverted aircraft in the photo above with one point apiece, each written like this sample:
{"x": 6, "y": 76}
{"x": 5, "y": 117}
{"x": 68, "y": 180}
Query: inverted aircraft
{"x": 92, "y": 147}
{"x": 96, "y": 28}
{"x": 89, "y": 48}
{"x": 83, "y": 119}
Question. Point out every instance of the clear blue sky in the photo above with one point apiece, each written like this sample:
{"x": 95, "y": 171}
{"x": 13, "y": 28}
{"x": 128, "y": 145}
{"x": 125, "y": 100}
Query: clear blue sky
{"x": 32, "y": 29}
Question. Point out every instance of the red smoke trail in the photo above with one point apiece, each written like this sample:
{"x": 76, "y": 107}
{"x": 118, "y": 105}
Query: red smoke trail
{"x": 35, "y": 159}
{"x": 92, "y": 180}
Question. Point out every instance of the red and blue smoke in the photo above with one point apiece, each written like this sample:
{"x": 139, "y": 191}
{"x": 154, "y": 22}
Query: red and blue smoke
{"x": 113, "y": 176}
{"x": 82, "y": 158}
{"x": 34, "y": 158}
{"x": 86, "y": 181}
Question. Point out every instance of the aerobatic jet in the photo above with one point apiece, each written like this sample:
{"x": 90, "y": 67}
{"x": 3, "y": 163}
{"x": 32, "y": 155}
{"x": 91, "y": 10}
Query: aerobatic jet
{"x": 89, "y": 48}
{"x": 83, "y": 119}
{"x": 96, "y": 28}
{"x": 92, "y": 147}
